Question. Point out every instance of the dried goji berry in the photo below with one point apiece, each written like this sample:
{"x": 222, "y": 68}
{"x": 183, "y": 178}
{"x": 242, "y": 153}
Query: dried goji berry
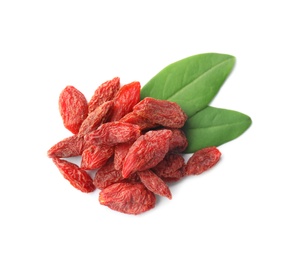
{"x": 147, "y": 151}
{"x": 105, "y": 92}
{"x": 95, "y": 156}
{"x": 128, "y": 198}
{"x": 135, "y": 119}
{"x": 171, "y": 168}
{"x": 120, "y": 152}
{"x": 202, "y": 160}
{"x": 77, "y": 177}
{"x": 155, "y": 184}
{"x": 112, "y": 133}
{"x": 162, "y": 112}
{"x": 95, "y": 118}
{"x": 73, "y": 108}
{"x": 125, "y": 99}
{"x": 68, "y": 147}
{"x": 107, "y": 175}
{"x": 178, "y": 142}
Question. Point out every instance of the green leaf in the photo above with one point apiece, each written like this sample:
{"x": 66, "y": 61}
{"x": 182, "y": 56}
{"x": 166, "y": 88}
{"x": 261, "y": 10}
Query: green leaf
{"x": 191, "y": 82}
{"x": 213, "y": 127}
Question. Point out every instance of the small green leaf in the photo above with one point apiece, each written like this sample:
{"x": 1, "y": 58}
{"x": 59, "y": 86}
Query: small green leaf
{"x": 191, "y": 82}
{"x": 213, "y": 127}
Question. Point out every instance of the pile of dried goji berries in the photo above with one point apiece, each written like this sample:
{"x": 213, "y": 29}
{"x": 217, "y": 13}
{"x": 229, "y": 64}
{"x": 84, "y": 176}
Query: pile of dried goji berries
{"x": 135, "y": 146}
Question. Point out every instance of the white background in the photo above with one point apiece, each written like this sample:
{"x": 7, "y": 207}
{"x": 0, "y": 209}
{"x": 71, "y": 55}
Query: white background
{"x": 244, "y": 208}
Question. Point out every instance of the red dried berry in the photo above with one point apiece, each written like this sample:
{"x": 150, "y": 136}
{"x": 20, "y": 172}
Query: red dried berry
{"x": 171, "y": 168}
{"x": 77, "y": 177}
{"x": 135, "y": 119}
{"x": 95, "y": 156}
{"x": 107, "y": 175}
{"x": 147, "y": 151}
{"x": 113, "y": 133}
{"x": 155, "y": 184}
{"x": 178, "y": 142}
{"x": 95, "y": 118}
{"x": 120, "y": 152}
{"x": 73, "y": 108}
{"x": 128, "y": 198}
{"x": 125, "y": 99}
{"x": 202, "y": 160}
{"x": 105, "y": 92}
{"x": 68, "y": 147}
{"x": 162, "y": 112}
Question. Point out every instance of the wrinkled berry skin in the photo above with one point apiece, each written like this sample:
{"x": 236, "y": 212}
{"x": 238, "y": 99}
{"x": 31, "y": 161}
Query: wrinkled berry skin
{"x": 95, "y": 118}
{"x": 147, "y": 151}
{"x": 128, "y": 198}
{"x": 73, "y": 108}
{"x": 202, "y": 160}
{"x": 95, "y": 156}
{"x": 120, "y": 152}
{"x": 105, "y": 92}
{"x": 171, "y": 168}
{"x": 77, "y": 177}
{"x": 113, "y": 133}
{"x": 155, "y": 184}
{"x": 107, "y": 175}
{"x": 68, "y": 147}
{"x": 142, "y": 122}
{"x": 126, "y": 98}
{"x": 161, "y": 112}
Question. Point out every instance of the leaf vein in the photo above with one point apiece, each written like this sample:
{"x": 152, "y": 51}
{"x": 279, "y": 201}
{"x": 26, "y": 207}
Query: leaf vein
{"x": 199, "y": 77}
{"x": 216, "y": 126}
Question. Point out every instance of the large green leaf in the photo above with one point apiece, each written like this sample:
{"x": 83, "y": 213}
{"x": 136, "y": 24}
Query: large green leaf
{"x": 213, "y": 127}
{"x": 191, "y": 82}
